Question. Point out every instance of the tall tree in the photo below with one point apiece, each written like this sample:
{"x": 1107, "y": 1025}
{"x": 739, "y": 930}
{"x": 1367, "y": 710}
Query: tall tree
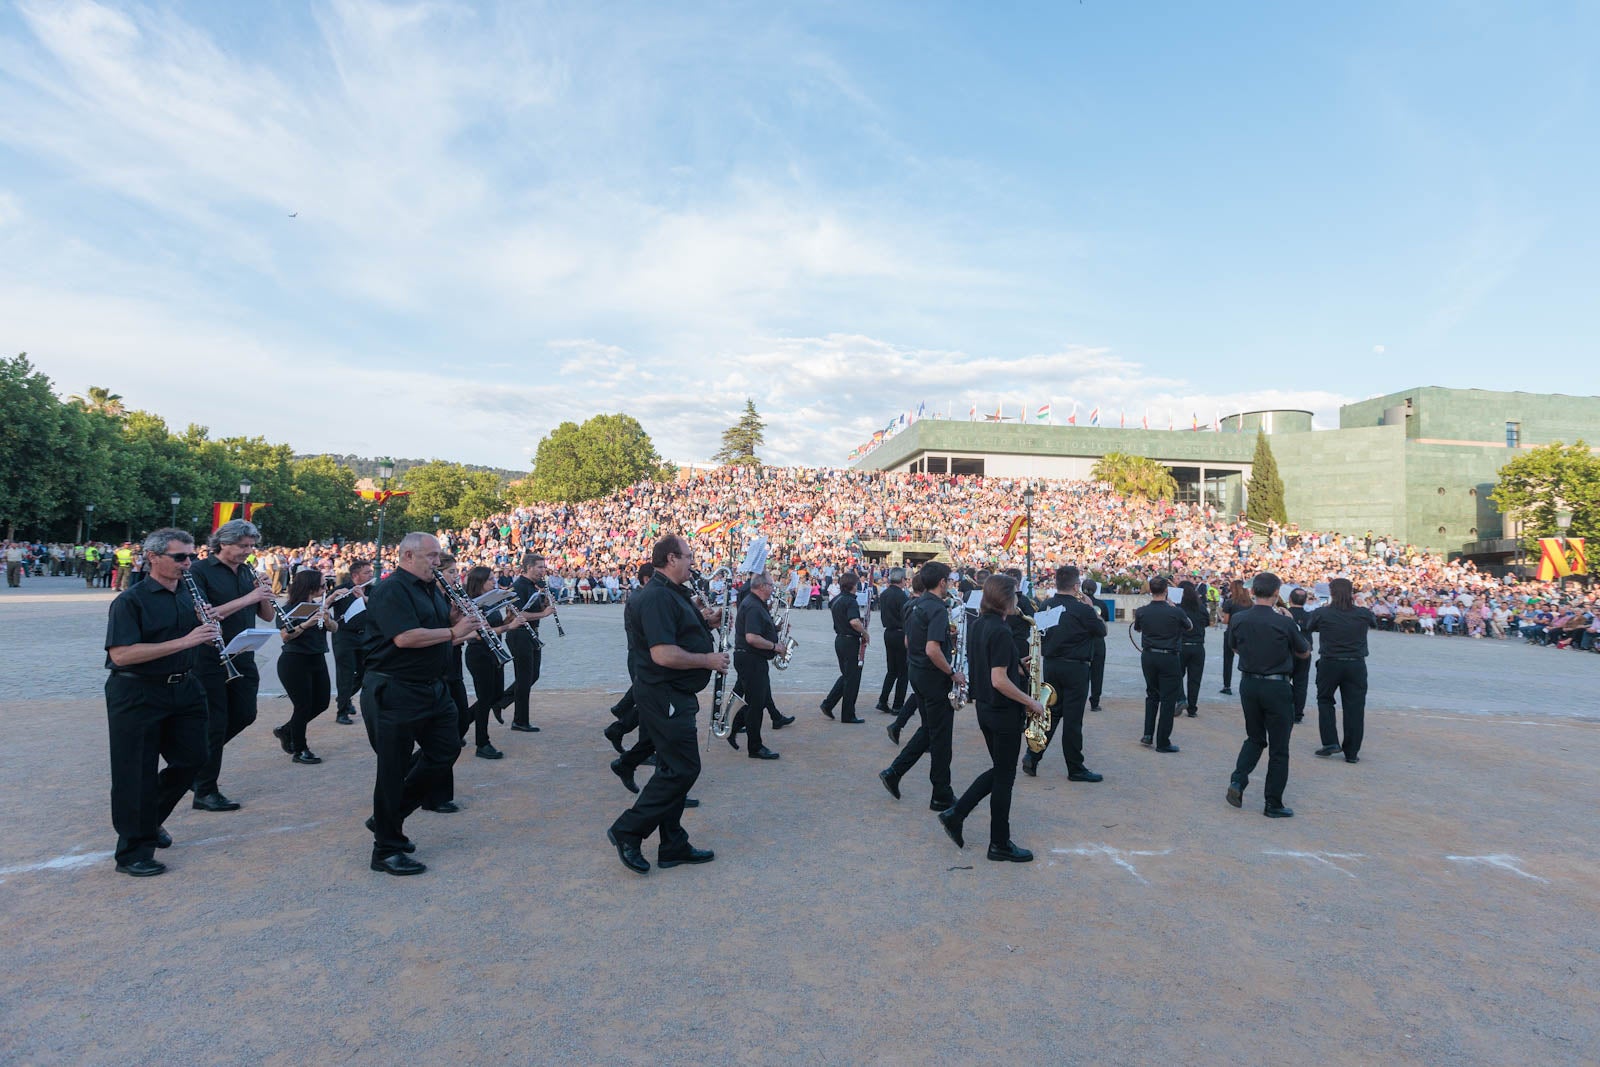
{"x": 1136, "y": 476}
{"x": 451, "y": 491}
{"x": 584, "y": 462}
{"x": 1265, "y": 492}
{"x": 1542, "y": 481}
{"x": 740, "y": 441}
{"x": 40, "y": 449}
{"x": 101, "y": 401}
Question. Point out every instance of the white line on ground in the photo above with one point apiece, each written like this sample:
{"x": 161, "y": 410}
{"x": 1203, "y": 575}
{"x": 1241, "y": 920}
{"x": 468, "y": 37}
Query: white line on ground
{"x": 74, "y": 860}
{"x": 1504, "y": 862}
{"x": 1116, "y": 855}
{"x": 1325, "y": 858}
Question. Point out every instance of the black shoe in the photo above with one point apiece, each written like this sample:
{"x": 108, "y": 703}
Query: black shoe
{"x": 942, "y": 803}
{"x": 306, "y": 756}
{"x": 444, "y": 807}
{"x": 1225, "y": 691}
{"x": 524, "y": 728}
{"x": 142, "y": 868}
{"x": 497, "y": 709}
{"x": 1328, "y": 750}
{"x": 890, "y": 782}
{"x": 407, "y": 846}
{"x": 490, "y": 752}
{"x": 1084, "y": 774}
{"x": 397, "y": 863}
{"x": 628, "y": 852}
{"x": 691, "y": 802}
{"x": 1352, "y": 759}
{"x": 825, "y": 710}
{"x": 763, "y": 753}
{"x": 1236, "y": 794}
{"x": 614, "y": 736}
{"x": 1167, "y": 748}
{"x": 1010, "y": 853}
{"x": 215, "y": 802}
{"x": 163, "y": 839}
{"x": 1191, "y": 712}
{"x": 1299, "y": 718}
{"x": 508, "y": 698}
{"x": 952, "y": 827}
{"x": 1095, "y": 706}
{"x": 894, "y": 733}
{"x": 1147, "y": 740}
{"x": 781, "y": 721}
{"x": 625, "y": 772}
{"x": 1278, "y": 811}
{"x": 694, "y": 855}
{"x": 733, "y": 739}
{"x": 882, "y": 708}
{"x": 854, "y": 720}
{"x": 282, "y": 734}
{"x": 344, "y": 719}
{"x": 1030, "y": 766}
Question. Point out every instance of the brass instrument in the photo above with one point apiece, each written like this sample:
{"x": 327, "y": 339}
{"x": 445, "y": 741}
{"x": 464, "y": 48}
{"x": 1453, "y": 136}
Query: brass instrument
{"x": 786, "y": 640}
{"x": 202, "y": 610}
{"x": 866, "y": 620}
{"x": 491, "y": 640}
{"x": 722, "y": 641}
{"x": 957, "y": 610}
{"x": 1036, "y": 733}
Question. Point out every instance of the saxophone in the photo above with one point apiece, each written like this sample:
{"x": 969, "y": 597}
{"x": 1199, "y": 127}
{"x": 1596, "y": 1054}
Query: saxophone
{"x": 1036, "y": 733}
{"x": 957, "y": 610}
{"x": 786, "y": 640}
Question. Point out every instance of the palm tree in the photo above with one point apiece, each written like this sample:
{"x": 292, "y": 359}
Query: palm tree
{"x": 103, "y": 401}
{"x": 1135, "y": 476}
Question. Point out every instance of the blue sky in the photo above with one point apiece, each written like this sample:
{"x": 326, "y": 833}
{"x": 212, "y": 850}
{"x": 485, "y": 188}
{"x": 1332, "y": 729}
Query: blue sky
{"x": 513, "y": 215}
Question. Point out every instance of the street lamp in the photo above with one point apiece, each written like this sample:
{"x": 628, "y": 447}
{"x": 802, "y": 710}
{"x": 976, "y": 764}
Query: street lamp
{"x": 244, "y": 498}
{"x": 176, "y": 500}
{"x": 89, "y": 538}
{"x": 1027, "y": 530}
{"x": 385, "y": 472}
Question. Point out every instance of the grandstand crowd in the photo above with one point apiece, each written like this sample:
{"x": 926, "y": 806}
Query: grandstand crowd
{"x": 818, "y": 521}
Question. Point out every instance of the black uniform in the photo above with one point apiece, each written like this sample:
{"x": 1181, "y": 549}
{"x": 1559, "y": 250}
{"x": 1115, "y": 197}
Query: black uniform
{"x": 230, "y": 706}
{"x": 1300, "y": 682}
{"x": 1266, "y": 643}
{"x": 154, "y": 711}
{"x": 752, "y": 664}
{"x": 1161, "y": 626}
{"x": 1068, "y": 649}
{"x": 406, "y": 697}
{"x": 1097, "y": 655}
{"x": 892, "y": 609}
{"x": 526, "y": 655}
{"x": 303, "y": 673}
{"x": 1229, "y": 608}
{"x": 665, "y": 615}
{"x": 990, "y": 644}
{"x": 1192, "y": 655}
{"x": 929, "y": 620}
{"x": 349, "y": 651}
{"x": 1342, "y": 669}
{"x": 847, "y": 649}
{"x": 488, "y": 685}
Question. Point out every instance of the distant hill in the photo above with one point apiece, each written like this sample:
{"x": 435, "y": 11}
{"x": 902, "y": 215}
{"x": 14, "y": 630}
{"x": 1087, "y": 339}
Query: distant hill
{"x": 368, "y": 468}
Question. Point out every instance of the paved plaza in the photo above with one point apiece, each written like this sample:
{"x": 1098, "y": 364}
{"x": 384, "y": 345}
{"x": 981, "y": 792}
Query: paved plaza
{"x": 1436, "y": 903}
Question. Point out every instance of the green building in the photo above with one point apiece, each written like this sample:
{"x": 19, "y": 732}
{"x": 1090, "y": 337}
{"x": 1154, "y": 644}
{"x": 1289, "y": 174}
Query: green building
{"x": 1417, "y": 465}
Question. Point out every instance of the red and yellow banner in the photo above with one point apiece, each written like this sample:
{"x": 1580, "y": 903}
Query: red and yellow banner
{"x": 1155, "y": 544}
{"x": 227, "y": 510}
{"x": 715, "y": 527}
{"x": 1558, "y": 562}
{"x": 1011, "y": 533}
{"x": 381, "y": 496}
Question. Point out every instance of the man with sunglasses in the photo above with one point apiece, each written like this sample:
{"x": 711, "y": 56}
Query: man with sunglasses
{"x": 155, "y": 707}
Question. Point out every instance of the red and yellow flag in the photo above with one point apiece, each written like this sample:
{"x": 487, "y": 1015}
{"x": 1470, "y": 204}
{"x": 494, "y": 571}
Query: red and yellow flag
{"x": 381, "y": 496}
{"x": 227, "y": 510}
{"x": 1554, "y": 562}
{"x": 1011, "y": 533}
{"x": 714, "y": 527}
{"x": 1155, "y": 544}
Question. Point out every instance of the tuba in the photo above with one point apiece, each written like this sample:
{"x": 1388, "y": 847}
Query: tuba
{"x": 1037, "y": 732}
{"x": 786, "y": 640}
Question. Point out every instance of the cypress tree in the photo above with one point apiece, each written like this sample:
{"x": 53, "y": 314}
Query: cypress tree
{"x": 1265, "y": 503}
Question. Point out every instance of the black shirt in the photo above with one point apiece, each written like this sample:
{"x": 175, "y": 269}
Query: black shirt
{"x": 1021, "y": 631}
{"x": 928, "y": 620}
{"x": 402, "y": 602}
{"x": 1072, "y": 637}
{"x": 312, "y": 641}
{"x": 350, "y": 630}
{"x": 1302, "y": 619}
{"x": 148, "y": 614}
{"x": 665, "y": 615}
{"x": 1344, "y": 633}
{"x": 753, "y": 618}
{"x": 219, "y": 584}
{"x": 892, "y": 608}
{"x": 989, "y": 645}
{"x": 1199, "y": 619}
{"x": 845, "y": 609}
{"x": 526, "y": 591}
{"x": 1265, "y": 641}
{"x": 1163, "y": 625}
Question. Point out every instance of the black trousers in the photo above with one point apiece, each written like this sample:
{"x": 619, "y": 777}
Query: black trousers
{"x": 305, "y": 679}
{"x": 1192, "y": 663}
{"x": 996, "y": 783}
{"x": 771, "y": 706}
{"x": 489, "y": 685}
{"x": 846, "y": 649}
{"x": 1163, "y": 682}
{"x": 626, "y": 711}
{"x": 407, "y": 715}
{"x": 1299, "y": 682}
{"x": 230, "y": 708}
{"x": 912, "y": 705}
{"x": 934, "y": 736}
{"x": 1070, "y": 679}
{"x": 525, "y": 661}
{"x": 349, "y": 664}
{"x": 895, "y": 677}
{"x": 443, "y": 789}
{"x": 667, "y": 720}
{"x": 150, "y": 722}
{"x": 753, "y": 670}
{"x": 1227, "y": 662}
{"x": 1097, "y": 669}
{"x": 1346, "y": 678}
{"x": 1268, "y": 720}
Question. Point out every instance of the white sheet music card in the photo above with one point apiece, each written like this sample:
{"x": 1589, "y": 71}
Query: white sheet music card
{"x": 1174, "y": 595}
{"x": 1047, "y": 618}
{"x": 755, "y": 557}
{"x": 249, "y": 641}
{"x": 355, "y": 609}
{"x": 975, "y": 600}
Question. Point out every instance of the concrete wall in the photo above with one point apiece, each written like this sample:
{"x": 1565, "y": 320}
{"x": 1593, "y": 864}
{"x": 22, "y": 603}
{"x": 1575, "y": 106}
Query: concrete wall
{"x": 990, "y": 439}
{"x": 1480, "y": 415}
{"x": 1347, "y": 481}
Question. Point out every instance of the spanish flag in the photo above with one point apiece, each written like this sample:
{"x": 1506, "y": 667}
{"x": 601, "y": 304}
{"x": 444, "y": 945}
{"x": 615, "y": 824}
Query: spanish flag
{"x": 1011, "y": 534}
{"x": 227, "y": 510}
{"x": 381, "y": 496}
{"x": 1155, "y": 544}
{"x": 1555, "y": 563}
{"x": 714, "y": 527}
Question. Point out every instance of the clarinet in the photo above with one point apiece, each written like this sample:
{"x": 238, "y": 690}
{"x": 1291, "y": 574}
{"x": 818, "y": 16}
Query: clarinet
{"x": 491, "y": 640}
{"x": 202, "y": 610}
{"x": 555, "y": 616}
{"x": 281, "y": 616}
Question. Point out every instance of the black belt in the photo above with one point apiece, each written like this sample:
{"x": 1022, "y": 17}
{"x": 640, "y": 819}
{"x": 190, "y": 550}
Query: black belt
{"x": 154, "y": 679}
{"x": 1162, "y": 651}
{"x": 1344, "y": 659}
{"x": 1279, "y": 677}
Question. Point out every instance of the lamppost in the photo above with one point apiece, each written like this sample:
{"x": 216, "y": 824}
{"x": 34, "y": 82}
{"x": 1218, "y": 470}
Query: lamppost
{"x": 385, "y": 472}
{"x": 244, "y": 498}
{"x": 1027, "y": 532}
{"x": 89, "y": 537}
{"x": 176, "y": 500}
{"x": 1170, "y": 537}
{"x": 1563, "y": 524}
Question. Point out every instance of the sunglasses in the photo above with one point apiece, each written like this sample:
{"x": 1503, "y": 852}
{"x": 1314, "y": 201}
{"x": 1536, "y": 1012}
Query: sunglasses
{"x": 182, "y": 557}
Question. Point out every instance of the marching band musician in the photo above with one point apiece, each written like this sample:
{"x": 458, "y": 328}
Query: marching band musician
{"x": 849, "y": 636}
{"x": 349, "y": 640}
{"x": 755, "y": 642}
{"x": 909, "y": 708}
{"x": 488, "y": 674}
{"x": 155, "y": 706}
{"x": 1097, "y": 660}
{"x": 1192, "y": 647}
{"x": 1161, "y": 626}
{"x": 1068, "y": 648}
{"x": 525, "y": 653}
{"x": 892, "y": 609}
{"x": 930, "y": 642}
{"x": 303, "y": 667}
{"x": 1267, "y": 645}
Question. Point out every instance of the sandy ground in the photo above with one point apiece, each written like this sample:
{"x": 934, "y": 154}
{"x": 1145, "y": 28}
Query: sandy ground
{"x": 1436, "y": 903}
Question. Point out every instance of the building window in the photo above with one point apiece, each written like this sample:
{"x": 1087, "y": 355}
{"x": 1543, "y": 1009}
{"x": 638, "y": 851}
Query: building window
{"x": 966, "y": 466}
{"x": 1513, "y": 434}
{"x": 938, "y": 465}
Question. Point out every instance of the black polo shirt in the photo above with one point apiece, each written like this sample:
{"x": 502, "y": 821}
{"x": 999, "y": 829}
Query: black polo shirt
{"x": 527, "y": 590}
{"x": 402, "y": 602}
{"x": 220, "y": 584}
{"x": 845, "y": 609}
{"x": 989, "y": 645}
{"x": 1344, "y": 633}
{"x": 753, "y": 618}
{"x": 928, "y": 620}
{"x": 664, "y": 614}
{"x": 350, "y": 631}
{"x": 1199, "y": 619}
{"x": 312, "y": 641}
{"x": 1265, "y": 641}
{"x": 1073, "y": 636}
{"x": 148, "y": 614}
{"x": 892, "y": 608}
{"x": 1162, "y": 625}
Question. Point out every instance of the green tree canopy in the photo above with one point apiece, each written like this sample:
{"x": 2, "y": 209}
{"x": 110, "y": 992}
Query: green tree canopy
{"x": 41, "y": 446}
{"x": 1135, "y": 476}
{"x": 455, "y": 493}
{"x": 740, "y": 441}
{"x": 585, "y": 462}
{"x": 1264, "y": 501}
{"x": 1540, "y": 482}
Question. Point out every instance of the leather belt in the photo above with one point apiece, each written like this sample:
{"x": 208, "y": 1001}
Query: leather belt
{"x": 154, "y": 679}
{"x": 1161, "y": 651}
{"x": 1278, "y": 677}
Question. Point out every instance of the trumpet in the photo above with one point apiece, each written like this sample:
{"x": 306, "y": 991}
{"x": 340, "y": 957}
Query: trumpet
{"x": 202, "y": 610}
{"x": 491, "y": 640}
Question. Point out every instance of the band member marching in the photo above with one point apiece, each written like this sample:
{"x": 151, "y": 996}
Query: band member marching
{"x": 930, "y": 642}
{"x": 755, "y": 642}
{"x": 891, "y": 609}
{"x": 849, "y": 640}
{"x": 1068, "y": 649}
{"x": 303, "y": 666}
{"x": 534, "y": 598}
{"x": 349, "y": 608}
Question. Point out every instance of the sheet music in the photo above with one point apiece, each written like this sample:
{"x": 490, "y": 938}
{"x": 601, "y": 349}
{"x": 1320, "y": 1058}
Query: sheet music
{"x": 249, "y": 640}
{"x": 1047, "y": 618}
{"x": 755, "y": 557}
{"x": 1174, "y": 595}
{"x": 975, "y": 600}
{"x": 356, "y": 608}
